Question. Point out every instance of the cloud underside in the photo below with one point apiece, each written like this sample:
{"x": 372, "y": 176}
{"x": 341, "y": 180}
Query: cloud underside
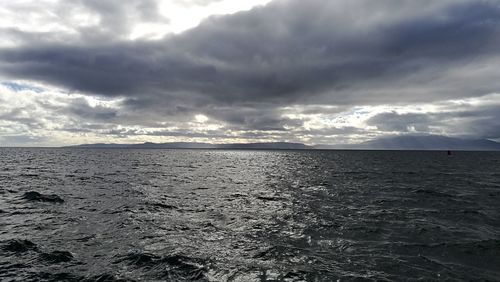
{"x": 319, "y": 71}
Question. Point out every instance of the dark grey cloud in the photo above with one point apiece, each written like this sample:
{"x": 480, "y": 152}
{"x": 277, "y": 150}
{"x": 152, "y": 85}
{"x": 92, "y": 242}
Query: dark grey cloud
{"x": 115, "y": 18}
{"x": 22, "y": 37}
{"x": 287, "y": 52}
{"x": 82, "y": 109}
{"x": 242, "y": 69}
{"x": 265, "y": 119}
{"x": 78, "y": 22}
{"x": 402, "y": 122}
{"x": 480, "y": 121}
{"x": 188, "y": 3}
{"x": 19, "y": 115}
{"x": 79, "y": 109}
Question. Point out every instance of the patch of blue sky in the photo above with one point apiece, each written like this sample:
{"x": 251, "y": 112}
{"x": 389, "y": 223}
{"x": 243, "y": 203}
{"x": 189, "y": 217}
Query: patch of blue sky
{"x": 18, "y": 87}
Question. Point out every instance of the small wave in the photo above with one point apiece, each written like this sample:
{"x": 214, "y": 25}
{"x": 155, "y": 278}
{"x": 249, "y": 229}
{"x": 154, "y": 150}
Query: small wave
{"x": 163, "y": 206}
{"x": 56, "y": 257}
{"x": 19, "y": 246}
{"x": 278, "y": 251}
{"x": 85, "y": 238}
{"x": 104, "y": 278}
{"x": 172, "y": 268}
{"x": 470, "y": 247}
{"x": 33, "y": 196}
{"x": 29, "y": 175}
{"x": 270, "y": 198}
{"x": 52, "y": 277}
{"x": 432, "y": 193}
{"x": 238, "y": 195}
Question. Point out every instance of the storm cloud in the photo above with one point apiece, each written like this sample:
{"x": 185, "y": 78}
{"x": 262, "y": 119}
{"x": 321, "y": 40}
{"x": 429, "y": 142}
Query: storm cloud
{"x": 244, "y": 70}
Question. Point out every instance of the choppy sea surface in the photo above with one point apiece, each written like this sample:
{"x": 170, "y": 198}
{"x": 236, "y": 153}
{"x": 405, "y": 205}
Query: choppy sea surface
{"x": 216, "y": 215}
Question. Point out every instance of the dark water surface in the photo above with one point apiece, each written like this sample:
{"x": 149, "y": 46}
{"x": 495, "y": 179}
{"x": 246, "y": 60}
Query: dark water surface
{"x": 208, "y": 215}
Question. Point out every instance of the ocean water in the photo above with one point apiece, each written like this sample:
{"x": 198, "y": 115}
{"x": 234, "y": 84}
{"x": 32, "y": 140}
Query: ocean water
{"x": 217, "y": 215}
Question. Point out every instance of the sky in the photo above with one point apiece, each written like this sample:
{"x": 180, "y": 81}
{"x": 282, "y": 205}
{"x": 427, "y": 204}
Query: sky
{"x": 226, "y": 71}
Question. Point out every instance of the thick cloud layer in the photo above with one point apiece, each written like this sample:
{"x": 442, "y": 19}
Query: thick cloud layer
{"x": 244, "y": 69}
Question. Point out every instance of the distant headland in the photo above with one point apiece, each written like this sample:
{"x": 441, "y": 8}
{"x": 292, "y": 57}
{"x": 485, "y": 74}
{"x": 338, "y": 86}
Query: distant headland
{"x": 424, "y": 142}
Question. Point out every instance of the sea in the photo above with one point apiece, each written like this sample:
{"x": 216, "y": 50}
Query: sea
{"x": 71, "y": 214}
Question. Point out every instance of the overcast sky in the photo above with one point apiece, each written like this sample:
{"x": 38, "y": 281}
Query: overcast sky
{"x": 315, "y": 71}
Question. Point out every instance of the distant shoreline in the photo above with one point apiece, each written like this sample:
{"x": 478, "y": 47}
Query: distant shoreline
{"x": 259, "y": 149}
{"x": 397, "y": 143}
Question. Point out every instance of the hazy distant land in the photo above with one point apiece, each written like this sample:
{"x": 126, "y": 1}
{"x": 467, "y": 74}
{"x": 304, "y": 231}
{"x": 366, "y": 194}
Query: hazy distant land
{"x": 428, "y": 142}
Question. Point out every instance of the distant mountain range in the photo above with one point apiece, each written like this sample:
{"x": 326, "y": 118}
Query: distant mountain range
{"x": 424, "y": 142}
{"x": 189, "y": 145}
